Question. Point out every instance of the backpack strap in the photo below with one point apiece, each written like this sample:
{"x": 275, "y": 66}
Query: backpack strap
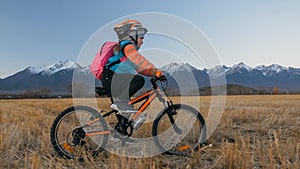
{"x": 112, "y": 64}
{"x": 119, "y": 60}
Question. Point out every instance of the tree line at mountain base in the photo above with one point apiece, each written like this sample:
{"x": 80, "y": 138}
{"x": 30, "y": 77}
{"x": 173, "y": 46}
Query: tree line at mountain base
{"x": 231, "y": 89}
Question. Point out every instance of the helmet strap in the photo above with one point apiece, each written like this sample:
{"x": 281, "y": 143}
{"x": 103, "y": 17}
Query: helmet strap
{"x": 136, "y": 38}
{"x": 135, "y": 41}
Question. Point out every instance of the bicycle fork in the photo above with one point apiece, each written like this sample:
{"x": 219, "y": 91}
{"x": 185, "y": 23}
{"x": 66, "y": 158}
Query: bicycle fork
{"x": 171, "y": 112}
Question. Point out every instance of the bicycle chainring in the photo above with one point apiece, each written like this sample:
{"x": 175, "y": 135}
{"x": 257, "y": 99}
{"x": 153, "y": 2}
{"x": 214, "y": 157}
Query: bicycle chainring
{"x": 124, "y": 129}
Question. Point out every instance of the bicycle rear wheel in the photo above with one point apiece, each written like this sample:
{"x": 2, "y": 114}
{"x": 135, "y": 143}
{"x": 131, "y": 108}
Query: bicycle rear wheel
{"x": 79, "y": 132}
{"x": 184, "y": 136}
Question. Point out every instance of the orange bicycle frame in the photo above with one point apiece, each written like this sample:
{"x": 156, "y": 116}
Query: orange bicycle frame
{"x": 148, "y": 97}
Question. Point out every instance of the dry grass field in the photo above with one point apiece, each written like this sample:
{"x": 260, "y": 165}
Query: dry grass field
{"x": 254, "y": 132}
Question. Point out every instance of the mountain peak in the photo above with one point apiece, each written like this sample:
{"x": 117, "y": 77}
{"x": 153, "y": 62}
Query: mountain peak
{"x": 277, "y": 68}
{"x": 177, "y": 67}
{"x": 50, "y": 69}
{"x": 217, "y": 71}
{"x": 242, "y": 65}
{"x": 271, "y": 70}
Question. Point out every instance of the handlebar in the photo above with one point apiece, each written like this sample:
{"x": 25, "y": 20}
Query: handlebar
{"x": 156, "y": 79}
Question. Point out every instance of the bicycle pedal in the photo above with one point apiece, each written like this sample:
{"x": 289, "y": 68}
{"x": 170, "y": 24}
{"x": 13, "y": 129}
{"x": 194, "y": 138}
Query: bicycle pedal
{"x": 124, "y": 139}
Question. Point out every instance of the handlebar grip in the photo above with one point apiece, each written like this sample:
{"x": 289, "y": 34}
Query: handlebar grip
{"x": 155, "y": 79}
{"x": 163, "y": 78}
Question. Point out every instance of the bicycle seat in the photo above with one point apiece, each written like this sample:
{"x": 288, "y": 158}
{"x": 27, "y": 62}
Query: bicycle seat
{"x": 102, "y": 91}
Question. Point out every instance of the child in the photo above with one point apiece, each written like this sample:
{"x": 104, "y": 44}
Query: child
{"x": 120, "y": 75}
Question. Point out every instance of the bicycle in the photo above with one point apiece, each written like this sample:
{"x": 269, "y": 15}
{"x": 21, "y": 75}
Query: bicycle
{"x": 80, "y": 130}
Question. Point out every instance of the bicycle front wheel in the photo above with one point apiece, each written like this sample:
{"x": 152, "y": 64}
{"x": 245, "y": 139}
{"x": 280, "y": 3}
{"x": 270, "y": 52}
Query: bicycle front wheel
{"x": 179, "y": 131}
{"x": 79, "y": 132}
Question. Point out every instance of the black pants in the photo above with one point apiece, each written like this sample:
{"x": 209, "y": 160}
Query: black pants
{"x": 121, "y": 86}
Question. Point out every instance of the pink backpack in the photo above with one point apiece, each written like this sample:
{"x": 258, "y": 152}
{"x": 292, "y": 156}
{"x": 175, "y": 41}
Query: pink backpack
{"x": 101, "y": 59}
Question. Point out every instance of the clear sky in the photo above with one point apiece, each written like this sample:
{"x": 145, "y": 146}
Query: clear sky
{"x": 256, "y": 32}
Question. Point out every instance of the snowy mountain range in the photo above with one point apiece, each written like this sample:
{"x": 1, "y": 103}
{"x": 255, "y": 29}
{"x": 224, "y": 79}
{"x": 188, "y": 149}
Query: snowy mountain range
{"x": 58, "y": 76}
{"x": 55, "y": 77}
{"x": 54, "y": 68}
{"x": 259, "y": 76}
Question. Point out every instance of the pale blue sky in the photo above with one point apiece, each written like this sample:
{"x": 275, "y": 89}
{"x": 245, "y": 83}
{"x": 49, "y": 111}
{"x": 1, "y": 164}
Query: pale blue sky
{"x": 256, "y": 32}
